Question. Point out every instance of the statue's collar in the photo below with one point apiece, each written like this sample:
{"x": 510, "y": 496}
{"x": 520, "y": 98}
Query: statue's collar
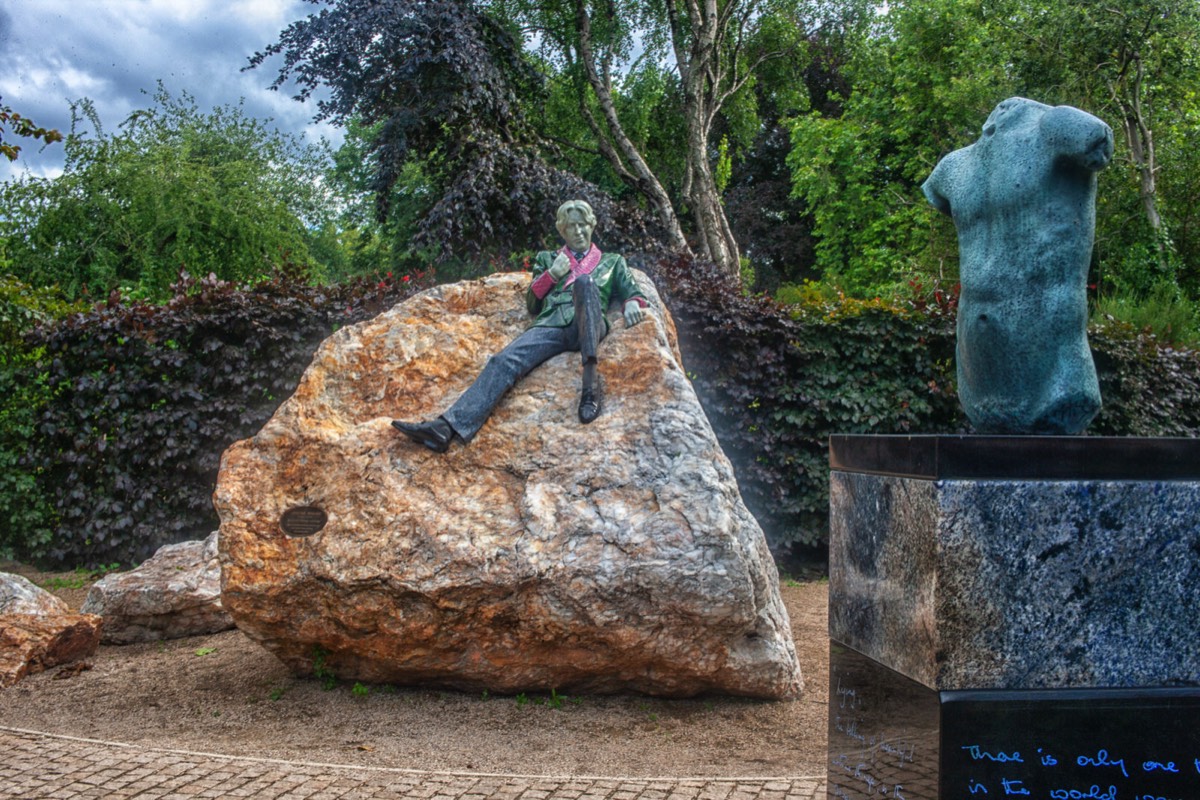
{"x": 582, "y": 266}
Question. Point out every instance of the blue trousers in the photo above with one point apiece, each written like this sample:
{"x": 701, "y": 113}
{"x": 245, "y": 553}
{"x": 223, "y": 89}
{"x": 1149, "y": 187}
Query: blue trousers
{"x": 533, "y": 347}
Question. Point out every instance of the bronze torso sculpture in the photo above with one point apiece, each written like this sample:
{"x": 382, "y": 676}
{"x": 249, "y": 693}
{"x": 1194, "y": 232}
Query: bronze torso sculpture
{"x": 1023, "y": 199}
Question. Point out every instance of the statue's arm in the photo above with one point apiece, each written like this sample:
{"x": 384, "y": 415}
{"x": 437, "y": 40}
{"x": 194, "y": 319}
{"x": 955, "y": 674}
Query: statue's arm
{"x": 941, "y": 182}
{"x": 542, "y": 283}
{"x": 1078, "y": 137}
{"x": 625, "y": 286}
{"x": 633, "y": 302}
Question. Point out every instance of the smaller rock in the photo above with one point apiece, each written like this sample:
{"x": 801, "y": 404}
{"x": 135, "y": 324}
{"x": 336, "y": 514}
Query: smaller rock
{"x": 18, "y": 595}
{"x": 30, "y": 643}
{"x": 176, "y": 593}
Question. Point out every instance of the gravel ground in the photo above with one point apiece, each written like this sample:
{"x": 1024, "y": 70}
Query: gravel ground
{"x": 225, "y": 694}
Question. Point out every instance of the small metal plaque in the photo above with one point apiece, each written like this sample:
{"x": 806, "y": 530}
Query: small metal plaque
{"x": 303, "y": 520}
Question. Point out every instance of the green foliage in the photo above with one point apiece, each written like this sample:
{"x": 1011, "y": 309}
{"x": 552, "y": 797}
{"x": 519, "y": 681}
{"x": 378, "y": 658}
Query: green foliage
{"x": 218, "y": 193}
{"x": 359, "y": 242}
{"x": 23, "y": 127}
{"x": 321, "y": 670}
{"x": 25, "y": 393}
{"x": 924, "y": 76}
{"x": 724, "y": 170}
{"x": 922, "y": 86}
{"x": 1164, "y": 313}
{"x": 141, "y": 401}
{"x": 80, "y": 578}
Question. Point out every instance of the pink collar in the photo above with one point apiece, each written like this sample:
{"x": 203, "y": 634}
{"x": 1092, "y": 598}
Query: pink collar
{"x": 590, "y": 261}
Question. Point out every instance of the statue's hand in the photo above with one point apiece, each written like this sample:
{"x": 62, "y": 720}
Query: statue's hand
{"x": 560, "y": 267}
{"x": 634, "y": 313}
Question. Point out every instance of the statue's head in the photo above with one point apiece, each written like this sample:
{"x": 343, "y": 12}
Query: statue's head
{"x": 575, "y": 224}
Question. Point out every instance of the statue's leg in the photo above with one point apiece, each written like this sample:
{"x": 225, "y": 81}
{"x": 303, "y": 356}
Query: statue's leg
{"x": 502, "y": 370}
{"x": 590, "y": 328}
{"x": 590, "y": 324}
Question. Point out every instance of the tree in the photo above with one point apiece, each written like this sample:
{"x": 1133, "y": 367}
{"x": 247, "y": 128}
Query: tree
{"x": 23, "y": 127}
{"x": 922, "y": 79}
{"x": 714, "y": 47}
{"x": 773, "y": 227}
{"x": 446, "y": 86}
{"x": 1136, "y": 63}
{"x": 173, "y": 189}
{"x": 925, "y": 75}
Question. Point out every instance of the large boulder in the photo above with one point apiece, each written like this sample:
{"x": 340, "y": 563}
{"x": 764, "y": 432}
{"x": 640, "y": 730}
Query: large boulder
{"x": 175, "y": 593}
{"x": 30, "y": 643}
{"x": 543, "y": 555}
{"x": 19, "y": 595}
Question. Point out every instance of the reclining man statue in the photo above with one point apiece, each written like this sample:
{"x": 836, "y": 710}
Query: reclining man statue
{"x": 570, "y": 292}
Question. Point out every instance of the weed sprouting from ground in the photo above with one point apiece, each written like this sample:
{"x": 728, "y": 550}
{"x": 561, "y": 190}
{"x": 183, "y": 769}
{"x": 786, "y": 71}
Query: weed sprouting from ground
{"x": 555, "y": 700}
{"x": 321, "y": 670}
{"x": 80, "y": 578}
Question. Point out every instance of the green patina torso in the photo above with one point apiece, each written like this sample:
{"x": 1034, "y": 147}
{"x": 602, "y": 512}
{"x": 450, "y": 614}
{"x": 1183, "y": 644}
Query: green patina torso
{"x": 557, "y": 310}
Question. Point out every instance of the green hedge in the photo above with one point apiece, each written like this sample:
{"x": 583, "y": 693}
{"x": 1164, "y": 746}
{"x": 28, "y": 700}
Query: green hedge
{"x": 776, "y": 380}
{"x": 145, "y": 398}
{"x": 115, "y": 419}
{"x": 25, "y": 394}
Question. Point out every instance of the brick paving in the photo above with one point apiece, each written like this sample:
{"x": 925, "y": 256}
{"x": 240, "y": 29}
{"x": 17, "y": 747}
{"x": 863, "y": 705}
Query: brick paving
{"x": 39, "y": 766}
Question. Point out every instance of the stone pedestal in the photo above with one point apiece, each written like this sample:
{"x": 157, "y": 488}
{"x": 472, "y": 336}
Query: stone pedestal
{"x": 999, "y": 601}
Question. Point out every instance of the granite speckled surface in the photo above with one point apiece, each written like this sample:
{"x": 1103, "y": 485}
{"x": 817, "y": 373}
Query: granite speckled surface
{"x": 1011, "y": 584}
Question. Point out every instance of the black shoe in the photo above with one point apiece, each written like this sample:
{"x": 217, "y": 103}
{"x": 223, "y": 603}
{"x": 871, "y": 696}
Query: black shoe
{"x": 436, "y": 434}
{"x": 589, "y": 402}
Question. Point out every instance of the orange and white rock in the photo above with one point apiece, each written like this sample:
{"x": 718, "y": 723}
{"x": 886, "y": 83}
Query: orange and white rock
{"x": 30, "y": 643}
{"x": 19, "y": 595}
{"x": 546, "y": 554}
{"x": 174, "y": 594}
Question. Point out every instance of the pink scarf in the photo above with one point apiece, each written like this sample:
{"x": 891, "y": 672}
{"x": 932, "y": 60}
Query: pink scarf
{"x": 590, "y": 261}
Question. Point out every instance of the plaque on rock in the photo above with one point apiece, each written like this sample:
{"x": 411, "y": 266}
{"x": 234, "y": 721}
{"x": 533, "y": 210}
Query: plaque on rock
{"x": 303, "y": 520}
{"x": 892, "y": 737}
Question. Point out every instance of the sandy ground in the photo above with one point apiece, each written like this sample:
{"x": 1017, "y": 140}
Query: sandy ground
{"x": 225, "y": 694}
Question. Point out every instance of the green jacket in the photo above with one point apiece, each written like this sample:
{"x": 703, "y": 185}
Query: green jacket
{"x": 557, "y": 309}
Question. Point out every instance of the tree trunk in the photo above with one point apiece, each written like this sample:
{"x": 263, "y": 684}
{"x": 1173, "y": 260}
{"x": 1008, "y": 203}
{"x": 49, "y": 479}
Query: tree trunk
{"x": 715, "y": 239}
{"x": 628, "y": 162}
{"x": 706, "y": 84}
{"x": 1141, "y": 152}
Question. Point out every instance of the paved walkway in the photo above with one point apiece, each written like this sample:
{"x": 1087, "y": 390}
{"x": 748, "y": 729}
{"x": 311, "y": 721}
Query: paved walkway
{"x": 37, "y": 765}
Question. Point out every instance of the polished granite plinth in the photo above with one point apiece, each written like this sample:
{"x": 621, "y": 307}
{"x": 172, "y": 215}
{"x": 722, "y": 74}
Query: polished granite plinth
{"x": 891, "y": 737}
{"x": 1018, "y": 562}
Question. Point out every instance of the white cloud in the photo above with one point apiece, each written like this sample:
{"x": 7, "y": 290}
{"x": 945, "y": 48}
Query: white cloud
{"x": 115, "y": 51}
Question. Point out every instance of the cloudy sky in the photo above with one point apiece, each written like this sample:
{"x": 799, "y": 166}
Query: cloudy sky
{"x": 56, "y": 51}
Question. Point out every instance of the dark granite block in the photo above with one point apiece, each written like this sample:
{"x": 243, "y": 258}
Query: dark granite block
{"x": 1027, "y": 458}
{"x": 892, "y": 737}
{"x": 1005, "y": 584}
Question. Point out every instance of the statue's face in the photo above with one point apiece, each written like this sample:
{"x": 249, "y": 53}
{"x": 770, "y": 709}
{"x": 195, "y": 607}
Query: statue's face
{"x": 576, "y": 232}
